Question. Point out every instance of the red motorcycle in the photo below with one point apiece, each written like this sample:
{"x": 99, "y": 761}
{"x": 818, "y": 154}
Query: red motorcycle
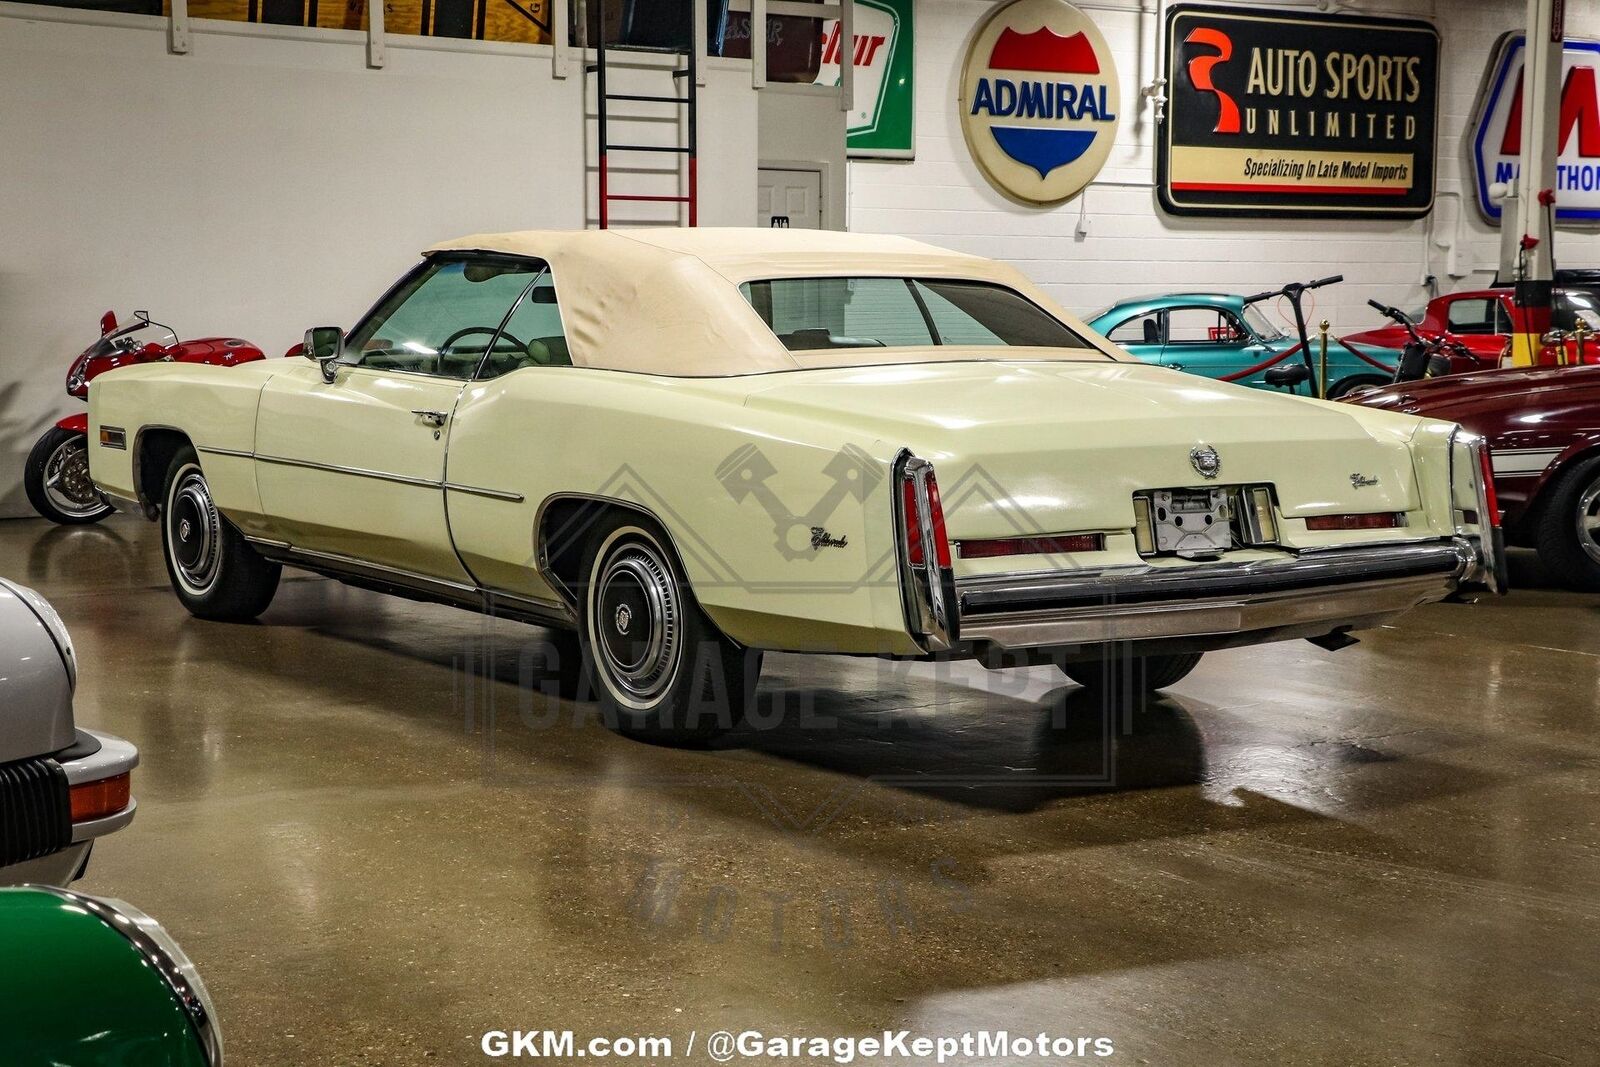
{"x": 57, "y": 474}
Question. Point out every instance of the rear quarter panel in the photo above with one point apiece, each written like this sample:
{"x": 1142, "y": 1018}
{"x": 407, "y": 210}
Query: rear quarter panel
{"x": 737, "y": 491}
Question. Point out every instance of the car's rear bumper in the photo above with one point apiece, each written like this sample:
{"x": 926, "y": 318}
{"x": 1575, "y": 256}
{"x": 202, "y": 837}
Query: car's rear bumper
{"x": 1213, "y": 605}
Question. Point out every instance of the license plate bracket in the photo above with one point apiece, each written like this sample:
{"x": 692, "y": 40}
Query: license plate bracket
{"x": 1192, "y": 522}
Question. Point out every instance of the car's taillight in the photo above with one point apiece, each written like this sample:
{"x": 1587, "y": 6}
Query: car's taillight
{"x": 988, "y": 548}
{"x": 1486, "y": 472}
{"x": 1376, "y": 520}
{"x": 96, "y": 800}
{"x": 912, "y": 513}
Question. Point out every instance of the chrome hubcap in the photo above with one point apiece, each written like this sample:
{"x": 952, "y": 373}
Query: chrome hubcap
{"x": 195, "y": 529}
{"x": 1589, "y": 520}
{"x": 637, "y": 612}
{"x": 66, "y": 480}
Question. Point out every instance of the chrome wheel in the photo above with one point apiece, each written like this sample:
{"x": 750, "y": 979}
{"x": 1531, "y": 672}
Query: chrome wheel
{"x": 1588, "y": 519}
{"x": 194, "y": 532}
{"x": 66, "y": 480}
{"x": 635, "y": 619}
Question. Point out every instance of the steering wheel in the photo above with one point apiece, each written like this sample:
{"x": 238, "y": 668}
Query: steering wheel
{"x": 468, "y": 331}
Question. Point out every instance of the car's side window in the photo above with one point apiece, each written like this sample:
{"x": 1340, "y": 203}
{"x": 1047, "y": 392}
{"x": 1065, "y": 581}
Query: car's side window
{"x": 1203, "y": 326}
{"x": 1139, "y": 330}
{"x": 1472, "y": 316}
{"x": 443, "y": 318}
{"x": 532, "y": 336}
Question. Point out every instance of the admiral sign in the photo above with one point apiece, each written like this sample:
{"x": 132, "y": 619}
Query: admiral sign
{"x": 1497, "y": 132}
{"x": 1039, "y": 100}
{"x": 1280, "y": 113}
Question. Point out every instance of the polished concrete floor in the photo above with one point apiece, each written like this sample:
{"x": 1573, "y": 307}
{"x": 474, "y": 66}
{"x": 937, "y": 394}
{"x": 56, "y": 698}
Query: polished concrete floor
{"x": 378, "y": 845}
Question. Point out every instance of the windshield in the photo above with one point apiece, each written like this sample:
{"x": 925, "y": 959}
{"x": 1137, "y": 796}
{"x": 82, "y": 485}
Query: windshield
{"x": 813, "y": 314}
{"x": 1260, "y": 325}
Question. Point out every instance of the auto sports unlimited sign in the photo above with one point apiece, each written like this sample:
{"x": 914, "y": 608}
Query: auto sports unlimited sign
{"x": 1496, "y": 134}
{"x": 1039, "y": 100}
{"x": 881, "y": 122}
{"x": 1279, "y": 113}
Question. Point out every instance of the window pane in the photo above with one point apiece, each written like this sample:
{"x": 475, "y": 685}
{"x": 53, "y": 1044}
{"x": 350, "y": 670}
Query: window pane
{"x": 812, "y": 313}
{"x": 1201, "y": 326}
{"x": 533, "y": 336}
{"x": 1471, "y": 316}
{"x": 818, "y": 313}
{"x": 441, "y": 321}
{"x": 971, "y": 313}
{"x": 1143, "y": 330}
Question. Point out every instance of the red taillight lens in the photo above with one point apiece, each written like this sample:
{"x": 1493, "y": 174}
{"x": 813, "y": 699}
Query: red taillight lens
{"x": 96, "y": 800}
{"x": 1379, "y": 520}
{"x": 1030, "y": 546}
{"x": 941, "y": 542}
{"x": 1486, "y": 472}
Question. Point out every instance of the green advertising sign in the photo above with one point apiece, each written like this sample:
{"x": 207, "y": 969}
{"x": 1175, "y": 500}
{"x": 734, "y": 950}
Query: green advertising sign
{"x": 881, "y": 122}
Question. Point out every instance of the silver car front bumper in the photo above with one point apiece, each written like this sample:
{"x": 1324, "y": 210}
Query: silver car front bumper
{"x": 1214, "y": 605}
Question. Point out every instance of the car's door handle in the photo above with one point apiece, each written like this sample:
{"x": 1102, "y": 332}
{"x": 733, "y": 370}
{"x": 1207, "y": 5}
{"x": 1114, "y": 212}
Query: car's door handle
{"x": 432, "y": 418}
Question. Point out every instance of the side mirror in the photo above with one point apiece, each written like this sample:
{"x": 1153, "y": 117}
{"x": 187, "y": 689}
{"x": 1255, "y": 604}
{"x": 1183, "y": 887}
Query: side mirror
{"x": 108, "y": 322}
{"x": 325, "y": 345}
{"x": 1290, "y": 376}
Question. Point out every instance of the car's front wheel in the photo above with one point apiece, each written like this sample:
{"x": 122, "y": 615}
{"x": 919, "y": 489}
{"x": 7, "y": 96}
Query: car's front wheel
{"x": 1126, "y": 673}
{"x": 662, "y": 671}
{"x": 1568, "y": 529}
{"x": 214, "y": 571}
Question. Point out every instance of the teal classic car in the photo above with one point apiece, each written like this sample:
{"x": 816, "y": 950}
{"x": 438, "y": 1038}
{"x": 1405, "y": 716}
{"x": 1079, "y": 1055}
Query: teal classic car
{"x": 103, "y": 985}
{"x": 1226, "y": 336}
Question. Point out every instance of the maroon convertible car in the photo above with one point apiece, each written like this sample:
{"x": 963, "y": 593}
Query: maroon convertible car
{"x": 1543, "y": 426}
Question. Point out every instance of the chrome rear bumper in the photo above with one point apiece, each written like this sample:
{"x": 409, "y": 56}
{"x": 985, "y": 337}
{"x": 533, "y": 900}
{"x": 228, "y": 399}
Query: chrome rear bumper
{"x": 1211, "y": 605}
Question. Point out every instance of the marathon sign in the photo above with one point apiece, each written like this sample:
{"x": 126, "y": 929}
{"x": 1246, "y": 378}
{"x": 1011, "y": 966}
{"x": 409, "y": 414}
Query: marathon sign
{"x": 1497, "y": 129}
{"x": 1297, "y": 114}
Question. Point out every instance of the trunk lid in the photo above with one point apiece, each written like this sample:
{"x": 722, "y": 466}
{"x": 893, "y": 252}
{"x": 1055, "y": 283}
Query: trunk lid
{"x": 1055, "y": 447}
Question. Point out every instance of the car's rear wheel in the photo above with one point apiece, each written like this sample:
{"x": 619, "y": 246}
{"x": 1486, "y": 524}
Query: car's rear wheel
{"x": 1567, "y": 533}
{"x": 214, "y": 571}
{"x": 56, "y": 479}
{"x": 1139, "y": 674}
{"x": 662, "y": 671}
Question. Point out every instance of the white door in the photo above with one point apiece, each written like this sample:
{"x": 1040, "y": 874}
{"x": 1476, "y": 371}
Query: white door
{"x": 790, "y": 198}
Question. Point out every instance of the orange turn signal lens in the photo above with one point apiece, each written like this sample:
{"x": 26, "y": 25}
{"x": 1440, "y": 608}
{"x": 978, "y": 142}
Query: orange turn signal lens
{"x": 96, "y": 800}
{"x": 1030, "y": 546}
{"x": 1377, "y": 520}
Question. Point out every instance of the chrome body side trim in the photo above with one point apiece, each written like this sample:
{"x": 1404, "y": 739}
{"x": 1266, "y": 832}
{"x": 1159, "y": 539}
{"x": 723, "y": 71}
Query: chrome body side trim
{"x": 365, "y": 472}
{"x": 1215, "y": 604}
{"x": 417, "y": 586}
{"x": 491, "y": 494}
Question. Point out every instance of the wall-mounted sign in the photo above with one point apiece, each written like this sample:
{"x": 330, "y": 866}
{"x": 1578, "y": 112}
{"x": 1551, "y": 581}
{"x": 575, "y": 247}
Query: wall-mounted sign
{"x": 1039, "y": 100}
{"x": 1496, "y": 134}
{"x": 1282, "y": 113}
{"x": 881, "y": 121}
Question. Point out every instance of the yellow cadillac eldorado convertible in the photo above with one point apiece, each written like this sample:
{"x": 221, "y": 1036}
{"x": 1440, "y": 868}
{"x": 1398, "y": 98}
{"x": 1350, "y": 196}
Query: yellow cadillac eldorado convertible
{"x": 687, "y": 447}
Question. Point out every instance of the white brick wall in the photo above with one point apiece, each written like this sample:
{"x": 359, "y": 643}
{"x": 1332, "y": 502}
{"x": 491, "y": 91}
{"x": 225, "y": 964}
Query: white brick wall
{"x": 1134, "y": 248}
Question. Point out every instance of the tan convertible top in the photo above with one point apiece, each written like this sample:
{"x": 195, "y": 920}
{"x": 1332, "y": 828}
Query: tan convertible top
{"x": 666, "y": 301}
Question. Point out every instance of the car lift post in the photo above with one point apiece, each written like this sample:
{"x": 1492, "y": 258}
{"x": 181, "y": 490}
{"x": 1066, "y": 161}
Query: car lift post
{"x": 1532, "y": 258}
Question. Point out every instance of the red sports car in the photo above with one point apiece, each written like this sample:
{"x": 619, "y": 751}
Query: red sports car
{"x": 1543, "y": 426}
{"x": 1481, "y": 319}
